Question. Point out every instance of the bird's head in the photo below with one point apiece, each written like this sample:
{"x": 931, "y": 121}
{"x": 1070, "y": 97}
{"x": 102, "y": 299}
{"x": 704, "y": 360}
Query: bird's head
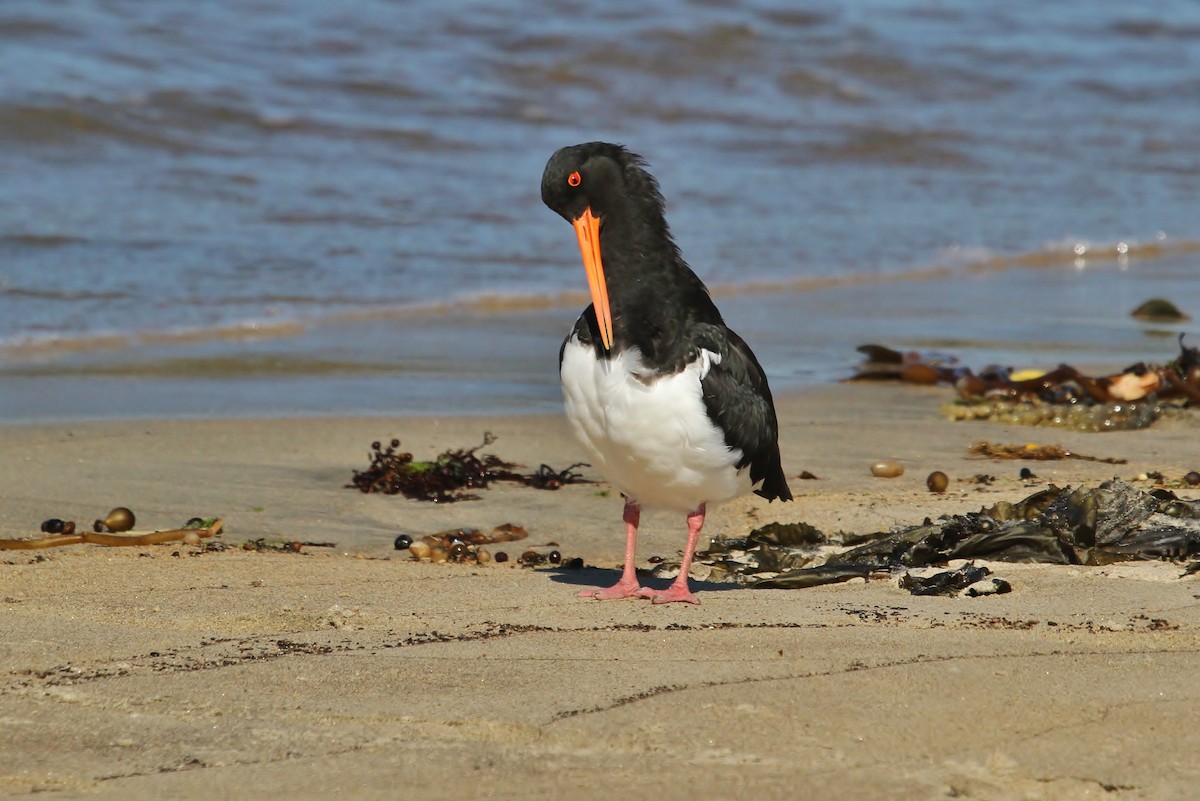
{"x": 590, "y": 183}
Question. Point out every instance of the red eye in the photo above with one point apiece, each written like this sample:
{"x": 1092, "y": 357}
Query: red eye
{"x": 574, "y": 179}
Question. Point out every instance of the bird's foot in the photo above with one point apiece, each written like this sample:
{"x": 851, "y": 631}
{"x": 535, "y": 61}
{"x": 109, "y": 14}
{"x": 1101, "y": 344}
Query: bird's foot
{"x": 676, "y": 593}
{"x": 622, "y": 589}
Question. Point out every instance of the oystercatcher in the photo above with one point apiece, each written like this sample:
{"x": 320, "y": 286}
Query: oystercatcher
{"x": 671, "y": 405}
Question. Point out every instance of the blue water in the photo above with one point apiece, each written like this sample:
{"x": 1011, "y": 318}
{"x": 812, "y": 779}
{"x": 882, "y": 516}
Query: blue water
{"x": 301, "y": 207}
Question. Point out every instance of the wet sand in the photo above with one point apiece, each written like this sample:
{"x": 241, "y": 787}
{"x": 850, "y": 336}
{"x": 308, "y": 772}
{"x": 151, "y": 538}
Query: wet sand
{"x": 156, "y": 672}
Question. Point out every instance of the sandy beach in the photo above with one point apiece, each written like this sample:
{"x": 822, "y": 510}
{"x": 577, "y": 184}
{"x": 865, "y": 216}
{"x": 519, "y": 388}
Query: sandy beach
{"x": 167, "y": 671}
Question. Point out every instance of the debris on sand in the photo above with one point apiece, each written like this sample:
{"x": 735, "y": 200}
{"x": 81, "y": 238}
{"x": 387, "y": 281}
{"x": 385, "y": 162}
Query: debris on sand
{"x": 396, "y": 472}
{"x": 1064, "y": 397}
{"x": 462, "y": 545}
{"x": 970, "y": 580}
{"x": 190, "y": 534}
{"x": 1082, "y": 526}
{"x": 1030, "y": 450}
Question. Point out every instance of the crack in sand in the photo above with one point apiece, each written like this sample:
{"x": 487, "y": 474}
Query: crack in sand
{"x": 852, "y": 667}
{"x": 251, "y": 650}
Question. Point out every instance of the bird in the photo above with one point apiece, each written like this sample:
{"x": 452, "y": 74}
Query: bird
{"x": 671, "y": 405}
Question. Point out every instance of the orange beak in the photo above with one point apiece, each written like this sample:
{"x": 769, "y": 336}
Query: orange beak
{"x": 587, "y": 231}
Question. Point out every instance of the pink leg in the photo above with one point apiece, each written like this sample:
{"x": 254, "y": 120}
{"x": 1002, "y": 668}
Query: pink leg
{"x": 679, "y": 592}
{"x": 627, "y": 587}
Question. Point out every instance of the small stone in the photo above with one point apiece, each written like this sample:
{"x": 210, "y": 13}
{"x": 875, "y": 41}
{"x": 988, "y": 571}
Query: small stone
{"x": 120, "y": 519}
{"x": 402, "y": 542}
{"x": 501, "y": 556}
{"x": 555, "y": 557}
{"x": 438, "y": 554}
{"x": 937, "y": 481}
{"x": 419, "y": 549}
{"x": 191, "y": 538}
{"x": 1159, "y": 310}
{"x": 1027, "y": 474}
{"x": 887, "y": 468}
{"x": 1192, "y": 479}
{"x": 53, "y": 526}
{"x": 483, "y": 556}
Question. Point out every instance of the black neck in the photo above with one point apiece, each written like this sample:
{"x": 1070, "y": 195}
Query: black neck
{"x": 655, "y": 297}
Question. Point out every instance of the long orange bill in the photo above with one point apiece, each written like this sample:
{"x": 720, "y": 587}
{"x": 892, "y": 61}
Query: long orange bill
{"x": 587, "y": 231}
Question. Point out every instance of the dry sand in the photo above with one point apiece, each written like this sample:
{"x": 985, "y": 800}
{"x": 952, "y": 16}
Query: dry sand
{"x": 154, "y": 672}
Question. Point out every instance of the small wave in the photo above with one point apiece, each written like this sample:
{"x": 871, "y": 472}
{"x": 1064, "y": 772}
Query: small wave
{"x": 23, "y": 348}
{"x": 41, "y": 240}
{"x": 180, "y": 121}
{"x": 41, "y": 125}
{"x": 206, "y": 367}
{"x": 54, "y": 294}
{"x": 1155, "y": 29}
{"x": 960, "y": 261}
{"x": 15, "y": 28}
{"x": 892, "y": 146}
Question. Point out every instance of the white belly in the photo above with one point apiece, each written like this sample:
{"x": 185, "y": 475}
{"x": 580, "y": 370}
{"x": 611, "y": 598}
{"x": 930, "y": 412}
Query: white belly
{"x": 649, "y": 434}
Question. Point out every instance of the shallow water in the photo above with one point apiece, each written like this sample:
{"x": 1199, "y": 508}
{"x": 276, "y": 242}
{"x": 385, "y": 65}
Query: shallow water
{"x": 292, "y": 208}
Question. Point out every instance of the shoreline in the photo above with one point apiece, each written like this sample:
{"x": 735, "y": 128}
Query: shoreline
{"x": 138, "y": 673}
{"x": 473, "y": 361}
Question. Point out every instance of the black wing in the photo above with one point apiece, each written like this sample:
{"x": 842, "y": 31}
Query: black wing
{"x": 587, "y": 330}
{"x": 738, "y": 399}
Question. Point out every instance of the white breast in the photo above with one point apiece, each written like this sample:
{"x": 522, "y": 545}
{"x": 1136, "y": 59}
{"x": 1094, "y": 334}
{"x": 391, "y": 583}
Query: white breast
{"x": 649, "y": 434}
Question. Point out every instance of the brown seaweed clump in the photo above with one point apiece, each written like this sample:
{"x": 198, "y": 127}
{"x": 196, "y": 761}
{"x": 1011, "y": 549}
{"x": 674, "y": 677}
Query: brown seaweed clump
{"x": 1035, "y": 452}
{"x": 1064, "y": 397}
{"x": 396, "y": 472}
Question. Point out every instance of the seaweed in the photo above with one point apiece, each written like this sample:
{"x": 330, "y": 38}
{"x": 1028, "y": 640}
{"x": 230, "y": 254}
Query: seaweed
{"x": 947, "y": 582}
{"x": 1040, "y": 453}
{"x": 1112, "y": 522}
{"x": 442, "y": 480}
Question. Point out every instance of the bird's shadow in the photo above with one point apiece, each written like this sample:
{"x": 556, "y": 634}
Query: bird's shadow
{"x": 601, "y": 577}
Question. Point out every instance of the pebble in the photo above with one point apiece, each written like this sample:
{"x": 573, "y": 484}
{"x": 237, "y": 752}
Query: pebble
{"x": 403, "y": 542}
{"x": 120, "y": 519}
{"x": 937, "y": 481}
{"x": 419, "y": 549}
{"x": 887, "y": 468}
{"x": 1192, "y": 478}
